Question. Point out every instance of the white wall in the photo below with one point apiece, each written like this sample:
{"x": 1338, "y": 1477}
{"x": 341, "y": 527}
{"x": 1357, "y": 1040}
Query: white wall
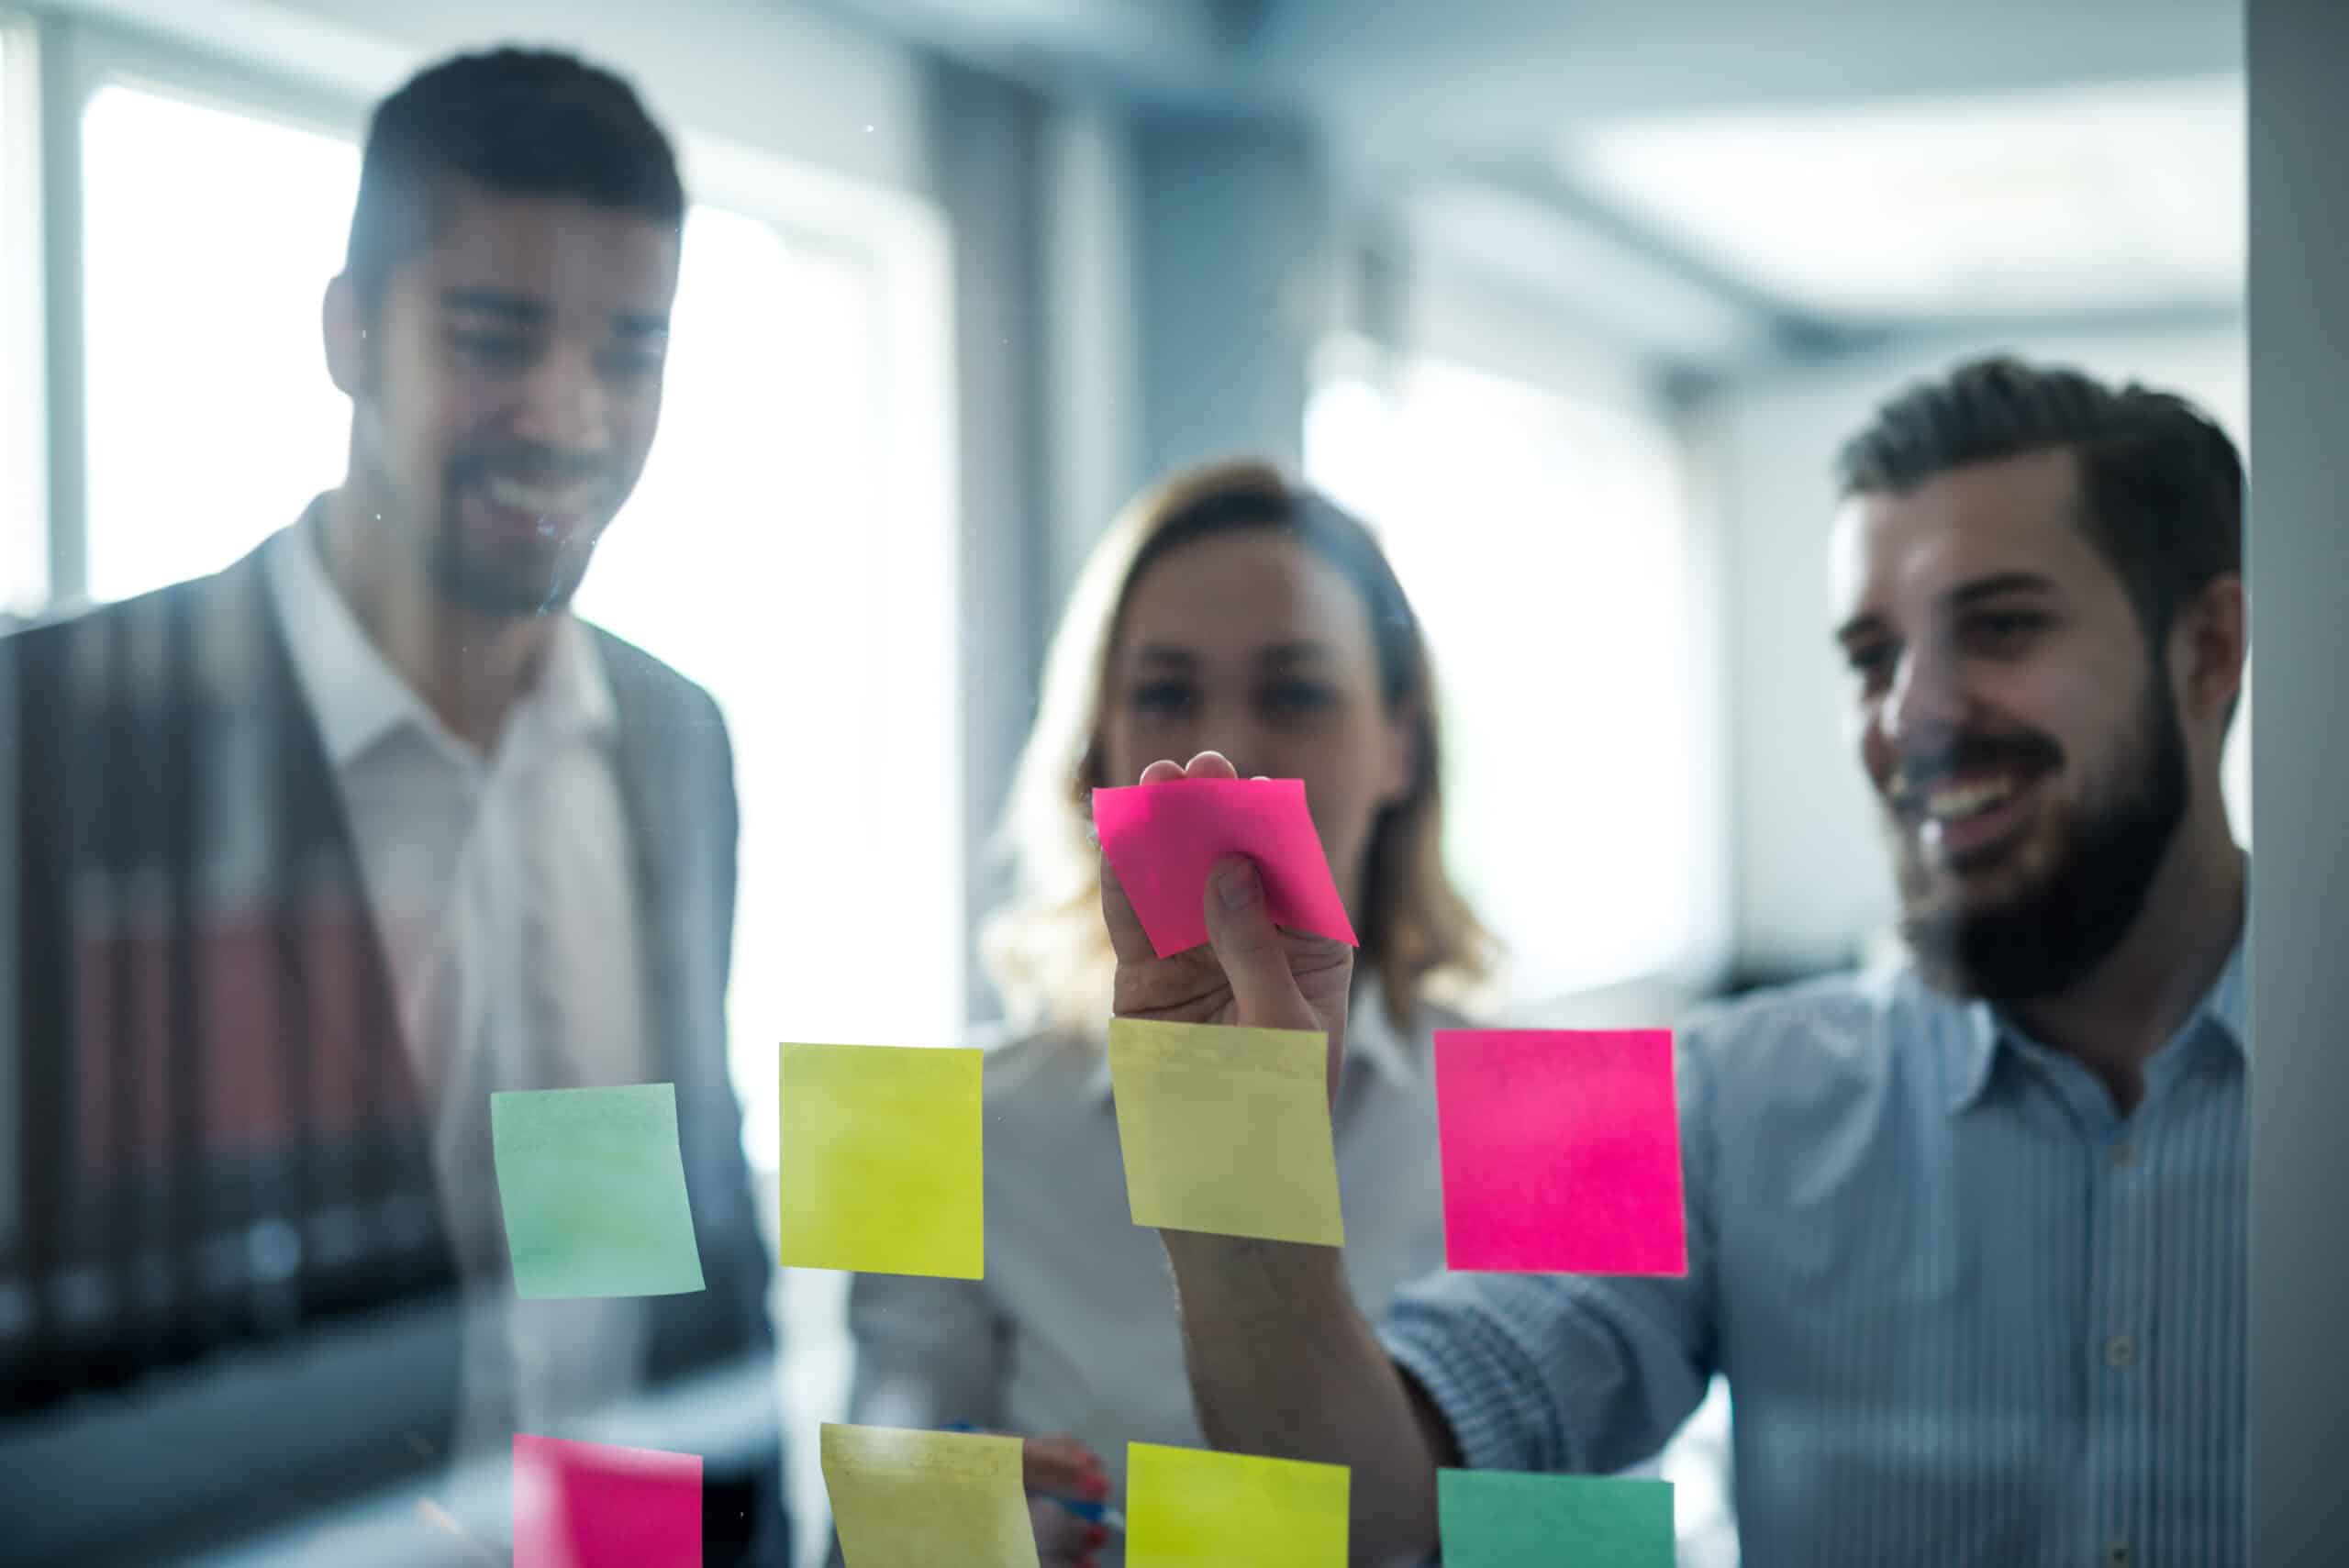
{"x": 1811, "y": 884}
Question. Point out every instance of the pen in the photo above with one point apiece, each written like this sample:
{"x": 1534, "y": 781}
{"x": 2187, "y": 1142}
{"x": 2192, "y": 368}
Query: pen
{"x": 1100, "y": 1514}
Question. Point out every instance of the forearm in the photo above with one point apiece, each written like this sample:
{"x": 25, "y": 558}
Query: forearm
{"x": 1282, "y": 1363}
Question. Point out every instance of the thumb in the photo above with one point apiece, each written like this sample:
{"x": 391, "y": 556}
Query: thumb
{"x": 1240, "y": 930}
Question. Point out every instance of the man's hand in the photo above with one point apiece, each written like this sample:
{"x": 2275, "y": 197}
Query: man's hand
{"x": 1251, "y": 973}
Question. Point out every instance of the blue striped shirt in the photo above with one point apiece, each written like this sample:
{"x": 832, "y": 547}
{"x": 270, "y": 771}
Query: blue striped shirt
{"x": 1968, "y": 1312}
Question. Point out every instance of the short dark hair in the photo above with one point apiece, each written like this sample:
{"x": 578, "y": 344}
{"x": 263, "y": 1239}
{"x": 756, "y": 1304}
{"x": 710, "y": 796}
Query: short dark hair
{"x": 2160, "y": 484}
{"x": 516, "y": 121}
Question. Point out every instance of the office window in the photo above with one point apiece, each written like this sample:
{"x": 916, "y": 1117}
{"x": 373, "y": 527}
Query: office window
{"x": 1543, "y": 542}
{"x": 757, "y": 556}
{"x": 771, "y": 553}
{"x": 208, "y": 238}
{"x": 24, "y": 509}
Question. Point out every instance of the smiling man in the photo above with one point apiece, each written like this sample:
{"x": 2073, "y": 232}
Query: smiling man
{"x": 1965, "y": 1235}
{"x": 316, "y": 854}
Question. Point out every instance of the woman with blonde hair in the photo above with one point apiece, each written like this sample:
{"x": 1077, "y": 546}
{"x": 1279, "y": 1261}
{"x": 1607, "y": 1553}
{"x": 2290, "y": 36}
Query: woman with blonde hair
{"x": 1226, "y": 609}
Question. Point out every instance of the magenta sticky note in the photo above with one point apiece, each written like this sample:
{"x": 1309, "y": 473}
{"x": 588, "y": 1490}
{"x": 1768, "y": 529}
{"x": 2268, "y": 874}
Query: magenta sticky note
{"x": 582, "y": 1504}
{"x": 1561, "y": 1151}
{"x": 1162, "y": 838}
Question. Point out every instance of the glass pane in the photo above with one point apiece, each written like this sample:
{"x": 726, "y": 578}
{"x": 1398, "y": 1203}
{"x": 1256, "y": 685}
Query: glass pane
{"x": 1545, "y": 769}
{"x": 755, "y": 556}
{"x": 211, "y": 420}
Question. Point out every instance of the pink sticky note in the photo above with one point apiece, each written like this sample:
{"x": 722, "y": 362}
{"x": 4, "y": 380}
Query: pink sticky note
{"x": 580, "y": 1504}
{"x": 1162, "y": 838}
{"x": 1561, "y": 1151}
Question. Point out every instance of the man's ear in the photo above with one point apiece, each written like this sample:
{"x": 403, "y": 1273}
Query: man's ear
{"x": 2211, "y": 640}
{"x": 350, "y": 350}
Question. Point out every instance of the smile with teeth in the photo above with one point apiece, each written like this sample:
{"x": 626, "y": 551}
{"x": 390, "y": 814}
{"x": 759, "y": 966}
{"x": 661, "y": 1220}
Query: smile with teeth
{"x": 1957, "y": 802}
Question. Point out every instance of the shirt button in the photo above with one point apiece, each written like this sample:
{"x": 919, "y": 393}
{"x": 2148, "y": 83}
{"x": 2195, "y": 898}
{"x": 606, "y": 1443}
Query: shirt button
{"x": 2117, "y": 1555}
{"x": 2124, "y": 1153}
{"x": 2121, "y": 1353}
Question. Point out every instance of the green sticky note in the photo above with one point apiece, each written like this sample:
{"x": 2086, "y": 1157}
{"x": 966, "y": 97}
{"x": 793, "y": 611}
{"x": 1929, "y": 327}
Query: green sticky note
{"x": 909, "y": 1499}
{"x": 594, "y": 1190}
{"x": 1186, "y": 1507}
{"x": 1227, "y": 1130}
{"x": 881, "y": 1169}
{"x": 1500, "y": 1519}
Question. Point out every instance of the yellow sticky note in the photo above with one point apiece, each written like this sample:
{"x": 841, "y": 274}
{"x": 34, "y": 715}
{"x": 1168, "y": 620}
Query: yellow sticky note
{"x": 1186, "y": 1507}
{"x": 881, "y": 1168}
{"x": 1226, "y": 1130}
{"x": 908, "y": 1499}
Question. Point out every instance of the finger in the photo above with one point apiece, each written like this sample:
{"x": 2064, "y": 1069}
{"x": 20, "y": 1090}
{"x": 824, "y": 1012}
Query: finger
{"x": 1061, "y": 1466}
{"x": 1212, "y": 765}
{"x": 1062, "y": 1537}
{"x": 1240, "y": 928}
{"x": 1127, "y": 939}
{"x": 1161, "y": 772}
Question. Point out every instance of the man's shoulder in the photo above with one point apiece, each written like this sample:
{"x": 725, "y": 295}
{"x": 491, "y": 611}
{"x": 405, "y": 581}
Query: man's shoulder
{"x": 182, "y": 639}
{"x": 645, "y": 683}
{"x": 86, "y": 621}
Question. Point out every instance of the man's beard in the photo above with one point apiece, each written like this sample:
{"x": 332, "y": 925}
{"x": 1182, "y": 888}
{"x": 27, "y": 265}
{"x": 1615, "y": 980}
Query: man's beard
{"x": 2053, "y": 931}
{"x": 521, "y": 578}
{"x": 524, "y": 583}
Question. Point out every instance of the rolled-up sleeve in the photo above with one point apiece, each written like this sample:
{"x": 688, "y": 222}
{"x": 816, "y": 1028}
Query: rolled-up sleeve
{"x": 1571, "y": 1372}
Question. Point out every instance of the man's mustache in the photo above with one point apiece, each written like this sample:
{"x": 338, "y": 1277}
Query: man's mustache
{"x": 2023, "y": 751}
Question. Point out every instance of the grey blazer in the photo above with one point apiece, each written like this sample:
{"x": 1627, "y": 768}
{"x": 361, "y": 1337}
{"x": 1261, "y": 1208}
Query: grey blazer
{"x": 217, "y": 1154}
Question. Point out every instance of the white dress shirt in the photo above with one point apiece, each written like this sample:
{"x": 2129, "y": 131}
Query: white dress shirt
{"x": 504, "y": 892}
{"x": 1074, "y": 1328}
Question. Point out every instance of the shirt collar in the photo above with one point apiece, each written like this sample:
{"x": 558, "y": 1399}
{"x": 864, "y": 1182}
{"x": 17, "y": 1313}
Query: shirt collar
{"x": 1371, "y": 1040}
{"x": 356, "y": 696}
{"x": 2226, "y": 1004}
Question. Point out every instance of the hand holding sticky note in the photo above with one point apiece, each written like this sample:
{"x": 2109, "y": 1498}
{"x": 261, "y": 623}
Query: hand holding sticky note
{"x": 1497, "y": 1518}
{"x": 582, "y": 1505}
{"x": 592, "y": 1188}
{"x": 1162, "y": 838}
{"x": 1190, "y": 1509}
{"x": 881, "y": 1162}
{"x": 1226, "y": 1130}
{"x": 908, "y": 1499}
{"x": 1560, "y": 1150}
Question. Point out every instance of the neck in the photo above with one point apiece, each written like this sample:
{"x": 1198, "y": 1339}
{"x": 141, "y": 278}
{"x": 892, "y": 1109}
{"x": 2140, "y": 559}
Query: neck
{"x": 2115, "y": 1018}
{"x": 468, "y": 668}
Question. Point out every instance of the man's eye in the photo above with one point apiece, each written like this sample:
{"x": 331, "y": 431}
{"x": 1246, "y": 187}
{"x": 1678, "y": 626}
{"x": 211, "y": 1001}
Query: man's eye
{"x": 1871, "y": 662}
{"x": 632, "y": 364}
{"x": 2003, "y": 628}
{"x": 495, "y": 348}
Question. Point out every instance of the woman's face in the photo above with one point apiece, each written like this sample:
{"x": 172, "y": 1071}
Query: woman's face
{"x": 1250, "y": 644}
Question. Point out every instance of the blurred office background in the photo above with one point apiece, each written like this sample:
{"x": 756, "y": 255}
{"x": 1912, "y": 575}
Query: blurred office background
{"x": 1571, "y": 298}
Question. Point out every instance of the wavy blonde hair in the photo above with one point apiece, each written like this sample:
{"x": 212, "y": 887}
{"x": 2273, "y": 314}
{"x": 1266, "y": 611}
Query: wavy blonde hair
{"x": 1046, "y": 949}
